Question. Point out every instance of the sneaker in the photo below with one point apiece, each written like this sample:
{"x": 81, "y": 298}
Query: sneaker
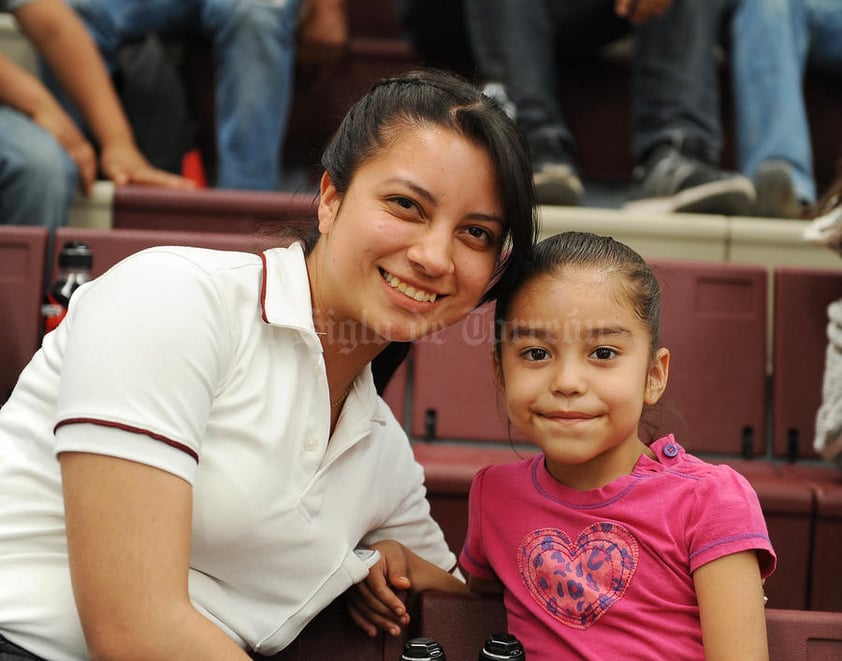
{"x": 776, "y": 196}
{"x": 558, "y": 184}
{"x": 671, "y": 180}
{"x": 553, "y": 173}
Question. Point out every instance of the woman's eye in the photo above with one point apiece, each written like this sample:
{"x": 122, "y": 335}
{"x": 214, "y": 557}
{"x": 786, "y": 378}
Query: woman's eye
{"x": 604, "y": 353}
{"x": 404, "y": 202}
{"x": 481, "y": 234}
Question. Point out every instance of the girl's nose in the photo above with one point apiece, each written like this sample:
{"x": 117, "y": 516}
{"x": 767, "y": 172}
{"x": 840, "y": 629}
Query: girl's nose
{"x": 567, "y": 379}
{"x": 432, "y": 252}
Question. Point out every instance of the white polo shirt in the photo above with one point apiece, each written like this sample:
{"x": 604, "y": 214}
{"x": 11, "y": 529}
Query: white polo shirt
{"x": 206, "y": 364}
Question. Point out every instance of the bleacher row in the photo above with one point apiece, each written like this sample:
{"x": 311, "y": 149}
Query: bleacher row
{"x": 460, "y": 623}
{"x": 730, "y": 406}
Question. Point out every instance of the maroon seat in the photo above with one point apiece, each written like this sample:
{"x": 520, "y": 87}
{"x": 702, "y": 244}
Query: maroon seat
{"x": 23, "y": 253}
{"x": 217, "y": 210}
{"x": 460, "y": 623}
{"x": 801, "y": 297}
{"x": 110, "y": 246}
{"x": 713, "y": 320}
{"x": 825, "y": 483}
{"x": 332, "y": 636}
{"x": 804, "y": 635}
{"x": 454, "y": 396}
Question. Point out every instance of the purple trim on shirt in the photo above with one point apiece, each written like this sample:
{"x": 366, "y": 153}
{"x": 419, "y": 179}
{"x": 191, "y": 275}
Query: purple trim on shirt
{"x": 129, "y": 428}
{"x": 728, "y": 540}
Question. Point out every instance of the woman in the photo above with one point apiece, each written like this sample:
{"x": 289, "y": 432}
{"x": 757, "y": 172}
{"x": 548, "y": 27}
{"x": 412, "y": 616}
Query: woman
{"x": 219, "y": 449}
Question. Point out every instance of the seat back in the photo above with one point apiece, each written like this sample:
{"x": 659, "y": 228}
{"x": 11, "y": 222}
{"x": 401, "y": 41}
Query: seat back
{"x": 110, "y": 246}
{"x": 212, "y": 210}
{"x": 713, "y": 320}
{"x": 459, "y": 622}
{"x": 804, "y": 635}
{"x": 801, "y": 297}
{"x": 23, "y": 253}
{"x": 453, "y": 390}
{"x": 332, "y": 636}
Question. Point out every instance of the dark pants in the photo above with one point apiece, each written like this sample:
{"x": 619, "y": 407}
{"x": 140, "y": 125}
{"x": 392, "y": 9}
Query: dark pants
{"x": 11, "y": 652}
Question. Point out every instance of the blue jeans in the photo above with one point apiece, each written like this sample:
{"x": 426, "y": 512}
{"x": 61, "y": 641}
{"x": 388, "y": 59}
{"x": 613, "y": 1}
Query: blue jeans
{"x": 768, "y": 48}
{"x": 254, "y": 44}
{"x": 37, "y": 177}
{"x": 675, "y": 82}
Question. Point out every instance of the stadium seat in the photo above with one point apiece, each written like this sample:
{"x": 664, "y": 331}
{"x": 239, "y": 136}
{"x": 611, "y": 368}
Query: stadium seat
{"x": 801, "y": 297}
{"x": 332, "y": 636}
{"x": 212, "y": 210}
{"x": 796, "y": 635}
{"x": 110, "y": 246}
{"x": 713, "y": 320}
{"x": 23, "y": 251}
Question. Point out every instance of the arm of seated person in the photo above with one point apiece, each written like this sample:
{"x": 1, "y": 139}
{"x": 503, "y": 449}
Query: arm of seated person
{"x": 730, "y": 595}
{"x": 375, "y": 603}
{"x": 128, "y": 536}
{"x": 61, "y": 38}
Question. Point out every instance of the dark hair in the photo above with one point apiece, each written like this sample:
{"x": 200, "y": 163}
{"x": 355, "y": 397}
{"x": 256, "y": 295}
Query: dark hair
{"x": 437, "y": 98}
{"x": 584, "y": 249}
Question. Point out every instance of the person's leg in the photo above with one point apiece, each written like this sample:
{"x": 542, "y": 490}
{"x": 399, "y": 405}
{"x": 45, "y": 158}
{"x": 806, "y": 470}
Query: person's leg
{"x": 37, "y": 177}
{"x": 254, "y": 47}
{"x": 515, "y": 47}
{"x": 676, "y": 132}
{"x": 824, "y": 22}
{"x": 768, "y": 49}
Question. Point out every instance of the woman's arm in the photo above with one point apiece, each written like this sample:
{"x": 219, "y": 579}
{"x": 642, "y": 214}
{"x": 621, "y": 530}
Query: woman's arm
{"x": 730, "y": 595}
{"x": 128, "y": 534}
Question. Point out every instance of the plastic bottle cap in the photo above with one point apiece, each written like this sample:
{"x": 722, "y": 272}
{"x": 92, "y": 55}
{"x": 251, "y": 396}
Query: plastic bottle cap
{"x": 75, "y": 254}
{"x": 422, "y": 649}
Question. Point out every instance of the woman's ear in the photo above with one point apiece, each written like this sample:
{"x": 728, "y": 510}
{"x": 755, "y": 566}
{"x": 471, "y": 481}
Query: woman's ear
{"x": 656, "y": 380}
{"x": 329, "y": 199}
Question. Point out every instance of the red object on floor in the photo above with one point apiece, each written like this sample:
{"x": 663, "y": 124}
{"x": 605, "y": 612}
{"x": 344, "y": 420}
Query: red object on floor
{"x": 193, "y": 169}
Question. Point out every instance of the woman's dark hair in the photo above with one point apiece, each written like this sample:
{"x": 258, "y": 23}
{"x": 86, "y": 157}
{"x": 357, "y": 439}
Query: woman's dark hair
{"x": 584, "y": 249}
{"x": 436, "y": 98}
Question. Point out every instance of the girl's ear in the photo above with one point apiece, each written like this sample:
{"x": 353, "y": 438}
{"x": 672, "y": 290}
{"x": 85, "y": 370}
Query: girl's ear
{"x": 656, "y": 380}
{"x": 329, "y": 199}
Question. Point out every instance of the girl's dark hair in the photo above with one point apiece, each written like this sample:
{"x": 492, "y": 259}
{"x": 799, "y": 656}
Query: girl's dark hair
{"x": 436, "y": 98}
{"x": 584, "y": 249}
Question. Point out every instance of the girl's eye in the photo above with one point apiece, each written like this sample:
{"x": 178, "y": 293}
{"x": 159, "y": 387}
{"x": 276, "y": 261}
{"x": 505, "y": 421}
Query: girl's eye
{"x": 535, "y": 354}
{"x": 604, "y": 353}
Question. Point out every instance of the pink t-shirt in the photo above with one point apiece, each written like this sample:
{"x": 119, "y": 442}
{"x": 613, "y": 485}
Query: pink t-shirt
{"x": 608, "y": 573}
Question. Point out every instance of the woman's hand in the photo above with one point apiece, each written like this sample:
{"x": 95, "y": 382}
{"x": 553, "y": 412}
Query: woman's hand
{"x": 375, "y": 603}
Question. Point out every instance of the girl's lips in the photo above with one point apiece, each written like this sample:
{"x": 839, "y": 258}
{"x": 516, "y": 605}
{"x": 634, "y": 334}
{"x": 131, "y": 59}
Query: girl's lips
{"x": 415, "y": 293}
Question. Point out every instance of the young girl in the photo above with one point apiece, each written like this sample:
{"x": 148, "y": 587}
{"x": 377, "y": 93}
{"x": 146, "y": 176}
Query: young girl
{"x": 193, "y": 455}
{"x": 606, "y": 546}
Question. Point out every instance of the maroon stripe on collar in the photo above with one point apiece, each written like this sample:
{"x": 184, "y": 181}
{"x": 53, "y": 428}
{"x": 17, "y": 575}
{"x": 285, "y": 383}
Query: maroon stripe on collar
{"x": 263, "y": 289}
{"x": 130, "y": 428}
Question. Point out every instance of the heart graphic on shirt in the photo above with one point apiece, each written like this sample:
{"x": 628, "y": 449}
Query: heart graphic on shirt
{"x": 578, "y": 582}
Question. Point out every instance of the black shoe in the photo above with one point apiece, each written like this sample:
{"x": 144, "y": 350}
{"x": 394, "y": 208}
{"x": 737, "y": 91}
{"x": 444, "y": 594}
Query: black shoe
{"x": 671, "y": 180}
{"x": 776, "y": 196}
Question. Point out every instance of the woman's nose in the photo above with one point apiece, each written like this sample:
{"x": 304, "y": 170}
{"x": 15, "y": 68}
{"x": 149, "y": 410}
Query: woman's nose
{"x": 432, "y": 252}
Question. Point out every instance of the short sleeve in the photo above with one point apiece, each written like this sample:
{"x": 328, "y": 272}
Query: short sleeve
{"x": 726, "y": 518}
{"x": 145, "y": 348}
{"x": 473, "y": 558}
